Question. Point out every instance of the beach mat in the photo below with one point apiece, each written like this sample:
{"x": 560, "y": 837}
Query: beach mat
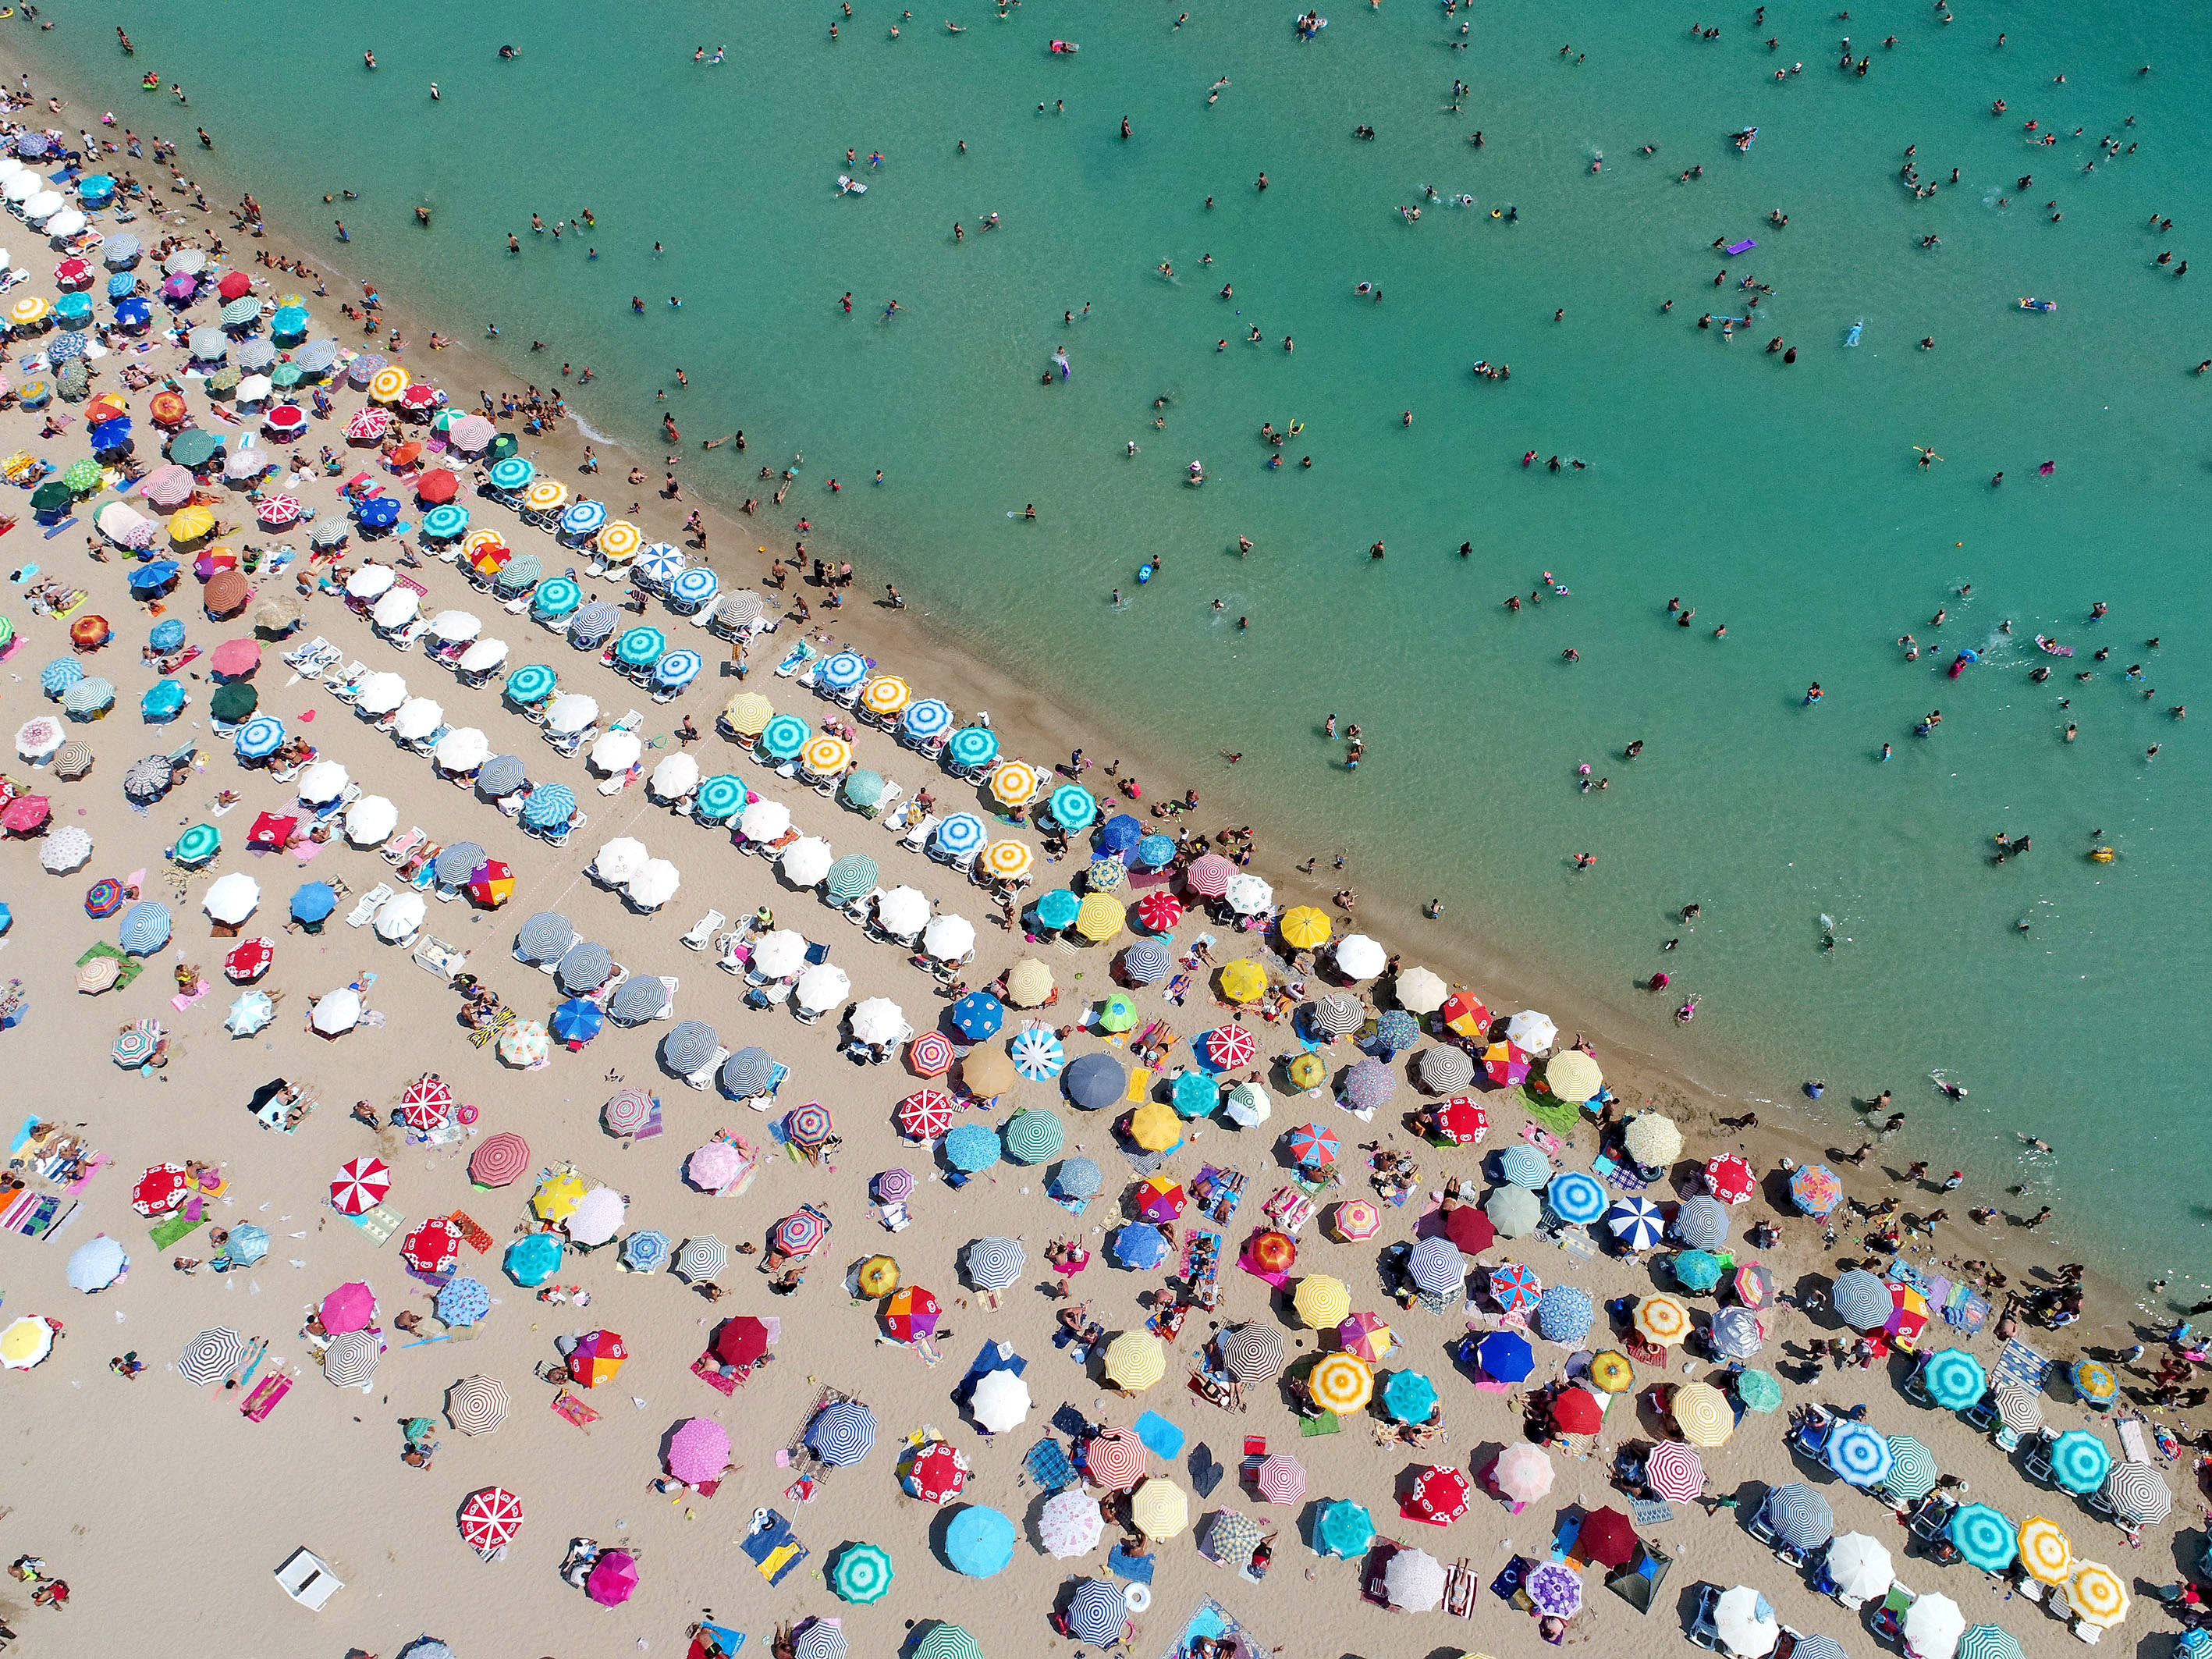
{"x": 170, "y": 1229}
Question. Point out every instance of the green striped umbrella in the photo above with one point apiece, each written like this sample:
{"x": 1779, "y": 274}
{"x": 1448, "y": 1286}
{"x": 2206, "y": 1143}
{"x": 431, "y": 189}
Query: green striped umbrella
{"x": 1033, "y": 1136}
{"x": 782, "y": 737}
{"x": 2080, "y": 1461}
{"x": 1984, "y": 1537}
{"x": 718, "y": 796}
{"x": 850, "y": 877}
{"x": 202, "y": 840}
{"x": 862, "y": 1573}
{"x": 1760, "y": 1391}
{"x": 1954, "y": 1379}
{"x": 285, "y": 374}
{"x": 1987, "y": 1642}
{"x": 947, "y": 1642}
{"x": 1913, "y": 1471}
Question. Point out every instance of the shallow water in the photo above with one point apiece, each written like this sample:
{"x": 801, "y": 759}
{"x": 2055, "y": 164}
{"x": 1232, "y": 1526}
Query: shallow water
{"x": 1784, "y": 500}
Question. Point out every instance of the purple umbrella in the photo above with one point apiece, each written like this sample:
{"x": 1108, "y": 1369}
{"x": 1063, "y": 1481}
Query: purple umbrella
{"x": 1553, "y": 1589}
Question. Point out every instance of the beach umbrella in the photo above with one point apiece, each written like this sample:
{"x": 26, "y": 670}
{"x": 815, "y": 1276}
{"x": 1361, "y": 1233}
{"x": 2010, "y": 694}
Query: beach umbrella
{"x": 1746, "y": 1625}
{"x": 1342, "y": 1528}
{"x": 66, "y": 849}
{"x": 491, "y": 1519}
{"x": 1663, "y": 1319}
{"x": 935, "y": 1473}
{"x": 1702, "y": 1223}
{"x": 1138, "y": 1246}
{"x": 1858, "y": 1454}
{"x": 1445, "y": 1069}
{"x": 1078, "y": 1177}
{"x": 1731, "y": 1179}
{"x": 2100, "y": 1596}
{"x": 1933, "y": 1625}
{"x": 702, "y": 1259}
{"x": 1037, "y": 1055}
{"x": 1249, "y": 1104}
{"x": 1505, "y": 1357}
{"x": 462, "y": 1302}
{"x": 1092, "y": 1082}
{"x": 1861, "y": 1300}
{"x": 1155, "y": 1127}
{"x": 232, "y": 898}
{"x": 2018, "y": 1409}
{"x": 1436, "y": 1266}
{"x": 690, "y": 1046}
{"x": 1135, "y": 1360}
{"x": 1758, "y": 1391}
{"x": 1253, "y": 1353}
{"x": 1522, "y": 1472}
{"x": 999, "y": 1401}
{"x": 931, "y": 1055}
{"x": 1701, "y": 1412}
{"x": 1859, "y": 1566}
{"x": 144, "y": 927}
{"x": 1069, "y": 1525}
{"x": 2045, "y": 1551}
{"x": 1736, "y": 1334}
{"x": 2136, "y": 1494}
{"x": 947, "y": 1642}
{"x": 1799, "y": 1517}
{"x": 1987, "y": 1642}
{"x": 532, "y": 1258}
{"x": 1196, "y": 1095}
{"x": 1575, "y": 1198}
{"x": 1523, "y": 1165}
{"x": 1953, "y": 1378}
{"x": 1322, "y": 1302}
{"x": 613, "y": 1578}
{"x": 475, "y": 1405}
{"x": 88, "y": 698}
{"x": 2094, "y": 1384}
{"x": 1816, "y": 1189}
{"x": 1913, "y": 1473}
{"x": 1114, "y": 1460}
{"x": 801, "y": 1233}
{"x": 995, "y": 1263}
{"x": 1441, "y": 1494}
{"x": 1637, "y": 1223}
{"x": 1340, "y": 1383}
{"x": 972, "y": 1147}
{"x": 350, "y": 1360}
{"x": 210, "y": 1355}
{"x": 1413, "y": 1581}
{"x": 96, "y": 1264}
{"x": 1514, "y": 1212}
{"x": 1673, "y": 1471}
{"x": 925, "y": 1115}
{"x": 1160, "y": 1508}
{"x": 1553, "y": 1587}
{"x": 1984, "y": 1537}
{"x": 1033, "y": 1136}
{"x": 861, "y": 1574}
{"x": 1409, "y": 1396}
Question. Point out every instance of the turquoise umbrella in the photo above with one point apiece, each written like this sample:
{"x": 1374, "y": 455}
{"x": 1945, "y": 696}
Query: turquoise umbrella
{"x": 289, "y": 322}
{"x": 972, "y": 746}
{"x": 640, "y": 647}
{"x": 1057, "y": 909}
{"x": 1196, "y": 1095}
{"x": 1074, "y": 807}
{"x": 444, "y": 522}
{"x": 850, "y": 877}
{"x": 718, "y": 796}
{"x": 2080, "y": 1461}
{"x": 1409, "y": 1396}
{"x": 531, "y": 682}
{"x": 1913, "y": 1473}
{"x": 533, "y": 1259}
{"x": 783, "y": 736}
{"x": 1033, "y": 1136}
{"x": 1343, "y": 1528}
{"x": 1697, "y": 1270}
{"x": 1984, "y": 1537}
{"x": 1953, "y": 1378}
{"x": 972, "y": 1147}
{"x": 199, "y": 844}
{"x": 512, "y": 473}
{"x": 556, "y": 598}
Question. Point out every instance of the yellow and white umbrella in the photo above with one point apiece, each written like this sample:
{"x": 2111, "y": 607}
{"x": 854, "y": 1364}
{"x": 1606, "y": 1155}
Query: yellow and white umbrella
{"x": 1161, "y": 1508}
{"x": 886, "y": 693}
{"x": 25, "y": 1343}
{"x": 556, "y": 1199}
{"x": 1322, "y": 1302}
{"x": 1007, "y": 860}
{"x": 1135, "y": 1360}
{"x": 1100, "y": 917}
{"x": 27, "y": 311}
{"x": 1341, "y": 1382}
{"x": 748, "y": 713}
{"x": 619, "y": 540}
{"x": 2099, "y": 1596}
{"x": 390, "y": 384}
{"x": 1015, "y": 783}
{"x": 1701, "y": 1411}
{"x": 189, "y": 524}
{"x": 826, "y": 756}
{"x": 544, "y": 495}
{"x": 2045, "y": 1551}
{"x": 1653, "y": 1139}
{"x": 1663, "y": 1319}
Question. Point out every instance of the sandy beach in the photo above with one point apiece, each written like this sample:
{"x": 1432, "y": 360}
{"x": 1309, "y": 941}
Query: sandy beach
{"x": 109, "y": 1461}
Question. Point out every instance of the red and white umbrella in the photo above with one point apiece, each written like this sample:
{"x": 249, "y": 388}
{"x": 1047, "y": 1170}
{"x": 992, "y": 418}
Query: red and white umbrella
{"x": 1116, "y": 1460}
{"x": 1463, "y": 1120}
{"x": 1209, "y": 875}
{"x": 937, "y": 1473}
{"x": 1159, "y": 910}
{"x": 279, "y": 510}
{"x": 419, "y": 396}
{"x": 930, "y": 1055}
{"x": 1673, "y": 1471}
{"x": 502, "y": 1158}
{"x": 432, "y": 1248}
{"x": 426, "y": 1105}
{"x": 159, "y": 1190}
{"x": 1731, "y": 1178}
{"x": 361, "y": 1185}
{"x": 925, "y": 1114}
{"x": 249, "y": 959}
{"x": 1282, "y": 1480}
{"x": 368, "y": 423}
{"x": 1441, "y": 1494}
{"x": 1228, "y": 1046}
{"x": 490, "y": 1520}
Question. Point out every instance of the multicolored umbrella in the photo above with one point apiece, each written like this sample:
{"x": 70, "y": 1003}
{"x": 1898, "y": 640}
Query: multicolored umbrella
{"x": 911, "y": 1314}
{"x": 596, "y": 1359}
{"x": 1816, "y": 1189}
{"x": 1515, "y": 1287}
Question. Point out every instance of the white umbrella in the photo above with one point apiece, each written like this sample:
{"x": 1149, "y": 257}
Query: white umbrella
{"x": 821, "y": 988}
{"x": 806, "y": 860}
{"x": 654, "y": 886}
{"x": 619, "y": 859}
{"x": 764, "y": 820}
{"x": 598, "y": 1215}
{"x": 1747, "y": 1626}
{"x": 1860, "y": 1567}
{"x": 43, "y": 204}
{"x": 232, "y": 898}
{"x": 1070, "y": 1523}
{"x": 251, "y": 390}
{"x": 1248, "y": 895}
{"x": 878, "y": 1020}
{"x": 572, "y": 711}
{"x": 339, "y": 1010}
{"x": 453, "y": 626}
{"x": 1932, "y": 1625}
{"x": 1358, "y": 956}
{"x": 483, "y": 656}
{"x": 37, "y": 739}
{"x": 618, "y": 751}
{"x": 370, "y": 581}
{"x": 903, "y": 911}
{"x": 66, "y": 224}
{"x": 675, "y": 777}
{"x": 949, "y": 938}
{"x": 380, "y": 693}
{"x": 1535, "y": 1032}
{"x": 396, "y": 608}
{"x": 400, "y": 915}
{"x": 1414, "y": 1581}
{"x": 780, "y": 954}
{"x": 419, "y": 717}
{"x": 66, "y": 849}
{"x": 464, "y": 748}
{"x": 325, "y": 781}
{"x": 1420, "y": 991}
{"x": 370, "y": 820}
{"x": 1000, "y": 1402}
{"x": 1250, "y": 1105}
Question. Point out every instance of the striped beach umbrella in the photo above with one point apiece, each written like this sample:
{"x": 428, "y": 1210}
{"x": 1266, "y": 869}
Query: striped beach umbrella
{"x": 1007, "y": 860}
{"x": 842, "y": 670}
{"x": 678, "y": 669}
{"x": 807, "y": 1126}
{"x": 1984, "y": 1537}
{"x": 2045, "y": 1551}
{"x": 1340, "y": 1383}
{"x": 1114, "y": 1460}
{"x": 476, "y": 1405}
{"x": 645, "y": 1251}
{"x": 2018, "y": 1409}
{"x": 502, "y": 1158}
{"x": 1672, "y": 1470}
{"x": 1985, "y": 1640}
{"x": 972, "y": 747}
{"x": 1253, "y": 1353}
{"x": 929, "y": 1055}
{"x": 1096, "y": 1613}
{"x": 1281, "y": 1478}
{"x": 1636, "y": 1222}
{"x": 994, "y": 1263}
{"x": 1701, "y": 1411}
{"x": 351, "y": 1358}
{"x": 1443, "y": 1068}
{"x": 861, "y": 1574}
{"x": 1702, "y": 1223}
{"x": 1135, "y": 1360}
{"x": 259, "y": 737}
{"x": 1523, "y": 1165}
{"x": 842, "y": 1433}
{"x": 885, "y": 695}
{"x": 1322, "y": 1302}
{"x": 583, "y": 518}
{"x": 1033, "y": 1136}
{"x": 2100, "y": 1596}
{"x": 211, "y": 1355}
{"x": 2136, "y": 1494}
{"x": 1953, "y": 1378}
{"x": 702, "y": 1259}
{"x": 1862, "y": 1301}
{"x": 1912, "y": 1471}
{"x": 850, "y": 877}
{"x": 691, "y": 588}
{"x": 959, "y": 835}
{"x": 1575, "y": 1197}
{"x": 1038, "y": 1054}
{"x": 928, "y": 719}
{"x": 1436, "y": 1266}
{"x": 2080, "y": 1461}
{"x": 1858, "y": 1454}
{"x": 947, "y": 1642}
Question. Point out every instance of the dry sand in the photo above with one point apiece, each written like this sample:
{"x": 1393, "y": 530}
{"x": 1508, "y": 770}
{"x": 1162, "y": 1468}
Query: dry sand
{"x": 166, "y": 1510}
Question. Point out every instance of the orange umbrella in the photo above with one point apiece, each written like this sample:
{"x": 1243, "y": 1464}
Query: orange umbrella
{"x": 167, "y": 408}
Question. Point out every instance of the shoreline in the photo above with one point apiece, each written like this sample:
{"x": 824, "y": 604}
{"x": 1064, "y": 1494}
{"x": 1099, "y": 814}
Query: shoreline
{"x": 1034, "y": 724}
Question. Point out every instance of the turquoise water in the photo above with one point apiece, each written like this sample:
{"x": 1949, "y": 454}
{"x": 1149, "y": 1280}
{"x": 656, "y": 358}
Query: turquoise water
{"x": 1784, "y": 500}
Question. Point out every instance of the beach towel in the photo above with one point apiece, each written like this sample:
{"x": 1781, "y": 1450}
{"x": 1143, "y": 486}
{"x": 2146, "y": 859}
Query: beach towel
{"x": 570, "y": 1409}
{"x": 1313, "y": 1428}
{"x": 2020, "y": 1363}
{"x": 1138, "y": 1570}
{"x": 477, "y": 1238}
{"x": 267, "y": 1392}
{"x": 170, "y": 1229}
{"x": 1649, "y": 1511}
{"x": 379, "y": 1224}
{"x": 715, "y": 1642}
{"x": 772, "y": 1547}
{"x": 2130, "y": 1430}
{"x": 1205, "y": 1470}
{"x": 1049, "y": 1466}
{"x": 1161, "y": 1437}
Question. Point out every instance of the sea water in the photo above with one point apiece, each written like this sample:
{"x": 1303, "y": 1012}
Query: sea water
{"x": 1785, "y": 500}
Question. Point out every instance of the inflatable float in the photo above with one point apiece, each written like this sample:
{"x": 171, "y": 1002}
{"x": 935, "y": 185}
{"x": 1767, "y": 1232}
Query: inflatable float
{"x": 849, "y": 186}
{"x": 2053, "y": 648}
{"x": 2033, "y": 304}
{"x": 1065, "y": 48}
{"x": 1852, "y": 338}
{"x": 1744, "y": 246}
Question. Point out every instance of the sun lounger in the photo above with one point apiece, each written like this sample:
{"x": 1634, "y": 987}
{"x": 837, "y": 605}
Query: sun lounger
{"x": 704, "y": 1076}
{"x": 704, "y": 929}
{"x": 397, "y": 852}
{"x": 364, "y": 912}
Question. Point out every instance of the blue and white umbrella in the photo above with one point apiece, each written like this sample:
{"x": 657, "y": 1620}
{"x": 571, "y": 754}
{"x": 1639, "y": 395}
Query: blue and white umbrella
{"x": 96, "y": 1264}
{"x": 1523, "y": 1165}
{"x": 995, "y": 1263}
{"x": 644, "y": 1252}
{"x": 1858, "y": 1454}
{"x": 549, "y": 804}
{"x": 1037, "y": 1055}
{"x": 1096, "y": 1613}
{"x": 749, "y": 1071}
{"x": 248, "y": 1244}
{"x": 1862, "y": 1300}
{"x": 842, "y": 1433}
{"x": 259, "y": 737}
{"x": 1436, "y": 1266}
{"x": 88, "y": 696}
{"x": 1564, "y": 1314}
{"x": 591, "y": 626}
{"x": 928, "y": 719}
{"x": 1153, "y": 851}
{"x": 1637, "y": 1222}
{"x": 145, "y": 927}
{"x": 677, "y": 668}
{"x": 1575, "y": 1198}
{"x": 583, "y": 518}
{"x": 658, "y": 564}
{"x": 694, "y": 587}
{"x": 842, "y": 671}
{"x": 463, "y": 1301}
{"x": 1801, "y": 1518}
{"x": 1139, "y": 1245}
{"x": 1146, "y": 963}
{"x": 960, "y": 835}
{"x": 444, "y": 522}
{"x": 58, "y": 676}
{"x": 1703, "y": 1223}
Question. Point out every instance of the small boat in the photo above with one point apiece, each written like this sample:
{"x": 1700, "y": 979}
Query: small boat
{"x": 2034, "y": 304}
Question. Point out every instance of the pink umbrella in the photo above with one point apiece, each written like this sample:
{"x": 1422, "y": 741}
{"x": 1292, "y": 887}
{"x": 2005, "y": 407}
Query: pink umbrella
{"x": 614, "y": 1577}
{"x": 1209, "y": 875}
{"x": 167, "y": 486}
{"x": 349, "y": 1308}
{"x": 236, "y": 657}
{"x": 714, "y": 1166}
{"x": 1282, "y": 1480}
{"x": 368, "y": 423}
{"x": 279, "y": 510}
{"x": 699, "y": 1450}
